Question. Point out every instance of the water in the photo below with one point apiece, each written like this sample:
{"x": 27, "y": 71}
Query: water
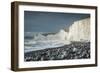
{"x": 78, "y": 31}
{"x": 39, "y": 42}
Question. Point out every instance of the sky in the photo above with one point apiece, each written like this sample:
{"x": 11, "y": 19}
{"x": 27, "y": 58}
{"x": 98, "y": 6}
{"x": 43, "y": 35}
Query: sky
{"x": 49, "y": 21}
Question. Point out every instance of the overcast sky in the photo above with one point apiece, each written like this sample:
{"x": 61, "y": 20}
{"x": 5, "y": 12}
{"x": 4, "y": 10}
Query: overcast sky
{"x": 49, "y": 21}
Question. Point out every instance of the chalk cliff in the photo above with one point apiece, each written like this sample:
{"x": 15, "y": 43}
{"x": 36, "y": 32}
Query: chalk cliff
{"x": 80, "y": 30}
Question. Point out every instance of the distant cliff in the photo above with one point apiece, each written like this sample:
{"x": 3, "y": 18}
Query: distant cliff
{"x": 80, "y": 30}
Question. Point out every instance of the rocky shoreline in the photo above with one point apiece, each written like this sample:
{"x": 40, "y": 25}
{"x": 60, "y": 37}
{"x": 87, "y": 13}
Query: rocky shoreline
{"x": 75, "y": 50}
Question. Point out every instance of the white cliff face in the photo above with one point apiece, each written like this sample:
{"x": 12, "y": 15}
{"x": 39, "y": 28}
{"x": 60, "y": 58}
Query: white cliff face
{"x": 80, "y": 30}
